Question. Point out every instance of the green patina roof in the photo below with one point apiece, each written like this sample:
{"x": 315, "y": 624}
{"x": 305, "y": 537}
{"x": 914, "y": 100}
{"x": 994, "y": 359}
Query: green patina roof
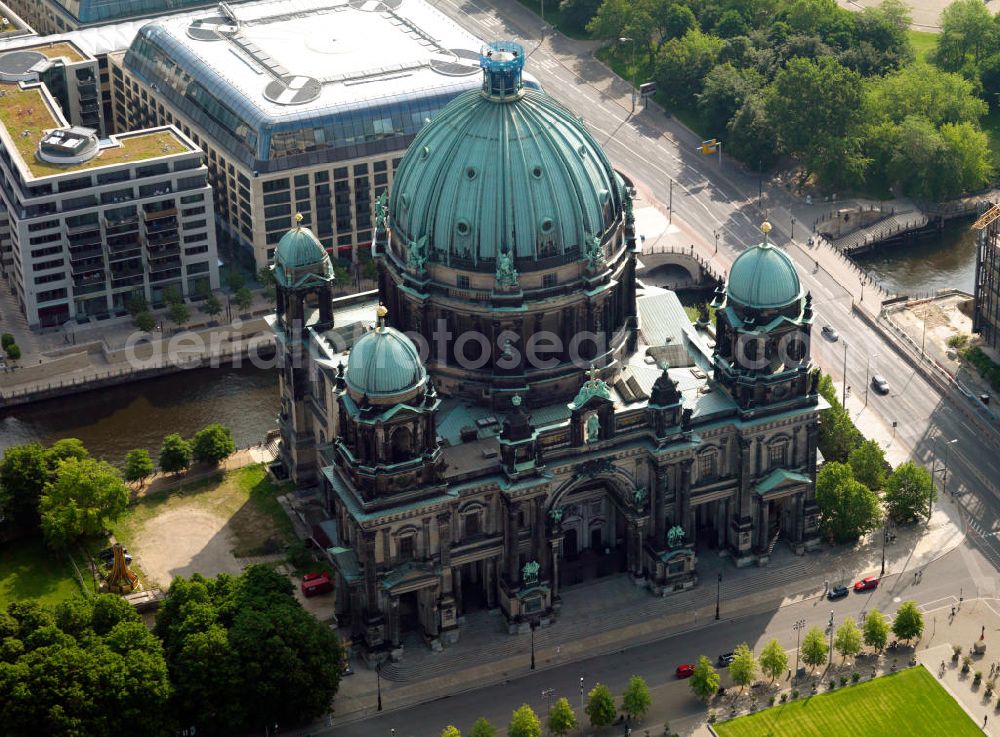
{"x": 383, "y": 363}
{"x": 299, "y": 248}
{"x": 763, "y": 277}
{"x": 780, "y": 477}
{"x": 593, "y": 387}
{"x": 492, "y": 172}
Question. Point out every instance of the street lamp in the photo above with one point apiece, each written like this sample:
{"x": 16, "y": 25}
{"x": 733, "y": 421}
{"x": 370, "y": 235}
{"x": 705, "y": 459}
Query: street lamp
{"x": 792, "y": 236}
{"x": 534, "y": 626}
{"x": 671, "y": 205}
{"x": 718, "y": 594}
{"x": 798, "y": 638}
{"x": 944, "y": 475}
{"x": 844, "y": 400}
{"x": 581, "y": 694}
{"x": 861, "y": 280}
{"x": 626, "y": 39}
{"x": 868, "y": 365}
{"x": 716, "y": 233}
{"x": 885, "y": 537}
{"x": 831, "y": 638}
{"x": 378, "y": 682}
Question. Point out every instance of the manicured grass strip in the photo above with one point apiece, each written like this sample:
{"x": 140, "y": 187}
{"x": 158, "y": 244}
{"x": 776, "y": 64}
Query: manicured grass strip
{"x": 923, "y": 43}
{"x": 907, "y": 703}
{"x": 30, "y": 571}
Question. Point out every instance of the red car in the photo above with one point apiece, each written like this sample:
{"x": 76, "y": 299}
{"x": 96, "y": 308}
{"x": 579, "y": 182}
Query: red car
{"x": 685, "y": 670}
{"x": 314, "y": 584}
{"x": 866, "y": 584}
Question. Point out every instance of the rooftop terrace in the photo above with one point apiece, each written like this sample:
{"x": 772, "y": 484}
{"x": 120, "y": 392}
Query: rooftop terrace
{"x": 57, "y": 50}
{"x": 27, "y": 114}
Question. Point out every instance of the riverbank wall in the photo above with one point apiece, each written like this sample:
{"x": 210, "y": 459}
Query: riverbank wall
{"x": 125, "y": 358}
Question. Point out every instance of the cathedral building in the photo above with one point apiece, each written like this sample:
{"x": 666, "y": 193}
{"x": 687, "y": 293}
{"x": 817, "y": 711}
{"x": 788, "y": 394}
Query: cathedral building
{"x": 524, "y": 413}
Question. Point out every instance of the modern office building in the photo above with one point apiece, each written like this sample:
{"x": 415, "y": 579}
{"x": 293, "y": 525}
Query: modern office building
{"x": 87, "y": 221}
{"x": 463, "y": 468}
{"x": 301, "y": 107}
{"x": 59, "y": 16}
{"x": 69, "y": 74}
{"x": 986, "y": 310}
{"x": 12, "y": 25}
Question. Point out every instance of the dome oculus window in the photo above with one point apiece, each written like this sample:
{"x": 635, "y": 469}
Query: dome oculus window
{"x": 536, "y": 172}
{"x": 470, "y": 173}
{"x": 462, "y": 227}
{"x": 546, "y": 225}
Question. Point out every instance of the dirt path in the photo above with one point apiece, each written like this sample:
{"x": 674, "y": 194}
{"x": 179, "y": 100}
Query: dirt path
{"x": 184, "y": 541}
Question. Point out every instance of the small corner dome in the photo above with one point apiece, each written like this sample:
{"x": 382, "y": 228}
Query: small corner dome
{"x": 384, "y": 364}
{"x": 300, "y": 249}
{"x": 763, "y": 277}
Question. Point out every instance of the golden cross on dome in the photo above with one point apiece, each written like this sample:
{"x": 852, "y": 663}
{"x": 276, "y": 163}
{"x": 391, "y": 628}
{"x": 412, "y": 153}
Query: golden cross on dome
{"x": 298, "y": 220}
{"x": 593, "y": 373}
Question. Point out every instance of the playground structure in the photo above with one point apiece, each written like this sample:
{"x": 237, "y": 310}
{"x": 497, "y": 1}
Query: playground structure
{"x": 121, "y": 580}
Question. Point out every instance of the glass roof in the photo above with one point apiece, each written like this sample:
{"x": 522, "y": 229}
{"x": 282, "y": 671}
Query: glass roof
{"x": 99, "y": 11}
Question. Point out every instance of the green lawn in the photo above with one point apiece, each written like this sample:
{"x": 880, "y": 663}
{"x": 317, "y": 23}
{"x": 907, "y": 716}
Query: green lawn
{"x": 29, "y": 570}
{"x": 923, "y": 43}
{"x": 907, "y": 703}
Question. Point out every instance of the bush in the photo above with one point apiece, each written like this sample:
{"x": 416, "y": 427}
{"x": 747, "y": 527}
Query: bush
{"x": 966, "y": 664}
{"x": 784, "y": 698}
{"x": 6, "y": 339}
{"x": 977, "y": 677}
{"x": 300, "y": 555}
{"x": 855, "y": 677}
{"x": 145, "y": 321}
{"x": 13, "y": 351}
{"x": 795, "y": 694}
{"x": 843, "y": 680}
{"x": 982, "y": 363}
{"x": 958, "y": 341}
{"x": 833, "y": 684}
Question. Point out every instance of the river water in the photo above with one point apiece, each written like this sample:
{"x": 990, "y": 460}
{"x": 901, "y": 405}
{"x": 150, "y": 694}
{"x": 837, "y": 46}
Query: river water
{"x": 115, "y": 420}
{"x": 112, "y": 421}
{"x": 944, "y": 262}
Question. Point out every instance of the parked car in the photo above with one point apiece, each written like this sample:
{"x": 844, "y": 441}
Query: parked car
{"x": 685, "y": 670}
{"x": 879, "y": 384}
{"x": 830, "y": 333}
{"x": 314, "y": 584}
{"x": 837, "y": 592}
{"x": 866, "y": 584}
{"x": 725, "y": 659}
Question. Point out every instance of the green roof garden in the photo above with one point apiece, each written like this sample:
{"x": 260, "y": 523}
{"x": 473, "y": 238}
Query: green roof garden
{"x": 55, "y": 50}
{"x": 27, "y": 115}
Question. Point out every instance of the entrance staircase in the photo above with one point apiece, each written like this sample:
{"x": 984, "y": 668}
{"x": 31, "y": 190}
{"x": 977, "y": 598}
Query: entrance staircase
{"x": 774, "y": 541}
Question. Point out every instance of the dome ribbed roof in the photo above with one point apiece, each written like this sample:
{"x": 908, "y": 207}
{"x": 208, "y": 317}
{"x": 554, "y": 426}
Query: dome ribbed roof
{"x": 504, "y": 167}
{"x": 384, "y": 363}
{"x": 763, "y": 277}
{"x": 299, "y": 248}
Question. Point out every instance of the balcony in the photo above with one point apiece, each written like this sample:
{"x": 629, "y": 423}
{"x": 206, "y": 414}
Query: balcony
{"x": 81, "y": 254}
{"x": 124, "y": 255}
{"x": 133, "y": 280}
{"x": 161, "y": 252}
{"x": 161, "y": 237}
{"x": 89, "y": 276}
{"x": 166, "y": 212}
{"x": 72, "y": 230}
{"x": 160, "y": 276}
{"x": 85, "y": 239}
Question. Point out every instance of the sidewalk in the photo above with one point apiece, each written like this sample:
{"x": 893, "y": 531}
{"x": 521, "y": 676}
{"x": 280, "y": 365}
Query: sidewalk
{"x": 611, "y": 613}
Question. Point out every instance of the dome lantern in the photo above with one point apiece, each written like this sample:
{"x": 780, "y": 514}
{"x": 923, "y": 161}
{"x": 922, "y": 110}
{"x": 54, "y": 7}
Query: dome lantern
{"x": 503, "y": 65}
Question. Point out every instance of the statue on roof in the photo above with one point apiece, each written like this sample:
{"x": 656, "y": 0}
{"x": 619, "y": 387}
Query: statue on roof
{"x": 529, "y": 574}
{"x": 675, "y": 536}
{"x": 416, "y": 255}
{"x": 594, "y": 386}
{"x": 627, "y": 205}
{"x": 593, "y": 428}
{"x": 380, "y": 211}
{"x": 506, "y": 273}
{"x": 594, "y": 253}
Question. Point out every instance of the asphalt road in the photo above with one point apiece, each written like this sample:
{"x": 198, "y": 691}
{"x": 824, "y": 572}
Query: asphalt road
{"x": 655, "y": 150}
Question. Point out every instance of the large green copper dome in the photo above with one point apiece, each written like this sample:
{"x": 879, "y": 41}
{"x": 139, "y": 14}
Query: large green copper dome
{"x": 763, "y": 277}
{"x": 384, "y": 364}
{"x": 504, "y": 168}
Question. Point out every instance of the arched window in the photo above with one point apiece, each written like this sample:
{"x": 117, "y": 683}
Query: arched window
{"x": 401, "y": 445}
{"x": 708, "y": 464}
{"x": 777, "y": 452}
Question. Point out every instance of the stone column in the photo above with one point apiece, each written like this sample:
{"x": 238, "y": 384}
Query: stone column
{"x": 490, "y": 570}
{"x": 538, "y": 546}
{"x": 457, "y": 583}
{"x": 638, "y": 551}
{"x": 510, "y": 544}
{"x": 371, "y": 580}
{"x": 630, "y": 551}
{"x": 444, "y": 545}
{"x": 720, "y": 522}
{"x": 658, "y": 492}
{"x": 554, "y": 567}
{"x": 427, "y": 538}
{"x": 763, "y": 535}
{"x": 743, "y": 500}
{"x": 684, "y": 497}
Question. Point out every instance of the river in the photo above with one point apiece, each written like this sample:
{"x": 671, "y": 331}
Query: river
{"x": 112, "y": 421}
{"x": 947, "y": 261}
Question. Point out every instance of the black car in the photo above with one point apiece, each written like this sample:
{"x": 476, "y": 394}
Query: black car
{"x": 725, "y": 659}
{"x": 837, "y": 592}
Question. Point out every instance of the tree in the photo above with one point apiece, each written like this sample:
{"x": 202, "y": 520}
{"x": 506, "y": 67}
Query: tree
{"x": 909, "y": 492}
{"x": 450, "y": 731}
{"x": 704, "y": 680}
{"x": 561, "y": 720}
{"x": 724, "y": 92}
{"x": 578, "y": 13}
{"x": 138, "y": 466}
{"x": 773, "y": 660}
{"x": 868, "y": 464}
{"x": 600, "y": 706}
{"x": 172, "y": 296}
{"x": 847, "y": 639}
{"x": 751, "y": 136}
{"x": 814, "y": 105}
{"x": 636, "y": 699}
{"x": 876, "y": 630}
{"x": 145, "y": 321}
{"x": 24, "y": 472}
{"x": 814, "y": 647}
{"x": 908, "y": 622}
{"x": 683, "y": 63}
{"x": 175, "y": 454}
{"x": 743, "y": 668}
{"x": 967, "y": 30}
{"x": 848, "y": 508}
{"x": 83, "y": 496}
{"x": 84, "y": 668}
{"x": 178, "y": 313}
{"x": 13, "y": 352}
{"x": 212, "y": 306}
{"x": 236, "y": 281}
{"x": 136, "y": 303}
{"x": 483, "y": 728}
{"x": 243, "y": 298}
{"x": 266, "y": 278}
{"x": 212, "y": 444}
{"x": 920, "y": 89}
{"x": 969, "y": 149}
{"x": 7, "y": 339}
{"x": 230, "y": 637}
{"x": 524, "y": 723}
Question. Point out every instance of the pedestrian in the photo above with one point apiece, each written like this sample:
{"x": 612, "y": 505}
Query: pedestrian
{"x": 826, "y": 586}
{"x": 985, "y": 717}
